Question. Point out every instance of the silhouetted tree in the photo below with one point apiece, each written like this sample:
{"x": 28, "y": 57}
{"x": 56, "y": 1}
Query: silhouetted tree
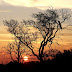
{"x": 46, "y": 25}
{"x": 15, "y": 49}
{"x": 64, "y": 58}
{"x": 50, "y": 53}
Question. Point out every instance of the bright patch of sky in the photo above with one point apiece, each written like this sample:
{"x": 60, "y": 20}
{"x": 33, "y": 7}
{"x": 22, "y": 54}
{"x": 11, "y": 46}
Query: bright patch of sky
{"x": 41, "y": 4}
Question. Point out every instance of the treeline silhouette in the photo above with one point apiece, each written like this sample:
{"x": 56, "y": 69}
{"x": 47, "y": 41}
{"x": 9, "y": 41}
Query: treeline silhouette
{"x": 61, "y": 62}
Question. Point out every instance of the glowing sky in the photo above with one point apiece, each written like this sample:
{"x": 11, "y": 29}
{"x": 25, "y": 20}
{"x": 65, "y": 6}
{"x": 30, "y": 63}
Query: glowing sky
{"x": 23, "y": 9}
{"x": 20, "y": 9}
{"x": 42, "y": 4}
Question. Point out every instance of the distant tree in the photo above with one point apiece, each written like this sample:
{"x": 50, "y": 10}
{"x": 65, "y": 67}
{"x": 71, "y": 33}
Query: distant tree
{"x": 15, "y": 50}
{"x": 50, "y": 53}
{"x": 64, "y": 58}
{"x": 46, "y": 25}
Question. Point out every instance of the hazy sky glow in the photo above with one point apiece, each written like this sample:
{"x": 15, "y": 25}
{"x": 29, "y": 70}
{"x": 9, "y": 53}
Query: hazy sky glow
{"x": 42, "y": 4}
{"x": 23, "y": 9}
{"x": 20, "y": 9}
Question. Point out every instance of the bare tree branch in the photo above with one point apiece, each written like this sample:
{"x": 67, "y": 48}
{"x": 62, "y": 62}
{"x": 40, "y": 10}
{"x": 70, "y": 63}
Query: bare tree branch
{"x": 47, "y": 23}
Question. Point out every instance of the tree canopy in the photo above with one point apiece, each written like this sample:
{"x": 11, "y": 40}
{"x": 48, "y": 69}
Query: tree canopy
{"x": 47, "y": 24}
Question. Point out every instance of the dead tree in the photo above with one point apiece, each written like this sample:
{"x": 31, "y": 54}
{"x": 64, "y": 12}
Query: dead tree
{"x": 47, "y": 24}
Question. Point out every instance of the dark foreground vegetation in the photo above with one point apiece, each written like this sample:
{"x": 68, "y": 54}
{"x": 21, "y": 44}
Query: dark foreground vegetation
{"x": 61, "y": 62}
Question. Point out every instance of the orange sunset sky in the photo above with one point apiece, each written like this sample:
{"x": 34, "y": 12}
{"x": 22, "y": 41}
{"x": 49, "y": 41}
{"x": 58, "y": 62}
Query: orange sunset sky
{"x": 23, "y": 9}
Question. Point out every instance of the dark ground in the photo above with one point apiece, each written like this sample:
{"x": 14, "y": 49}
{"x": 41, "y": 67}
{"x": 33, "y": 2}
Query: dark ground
{"x": 62, "y": 62}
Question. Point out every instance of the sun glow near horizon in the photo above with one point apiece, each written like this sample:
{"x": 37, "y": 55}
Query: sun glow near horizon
{"x": 25, "y": 58}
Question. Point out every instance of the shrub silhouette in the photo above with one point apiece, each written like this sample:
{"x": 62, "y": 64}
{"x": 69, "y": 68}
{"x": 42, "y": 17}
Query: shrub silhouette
{"x": 64, "y": 58}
